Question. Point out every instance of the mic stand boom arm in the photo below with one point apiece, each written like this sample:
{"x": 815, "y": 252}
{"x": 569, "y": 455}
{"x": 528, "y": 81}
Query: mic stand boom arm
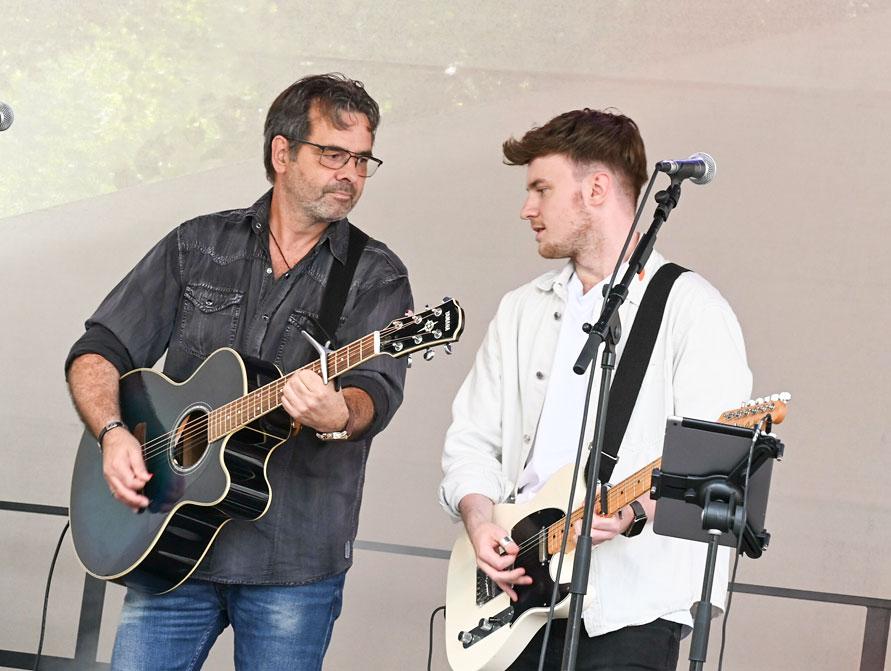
{"x": 607, "y": 330}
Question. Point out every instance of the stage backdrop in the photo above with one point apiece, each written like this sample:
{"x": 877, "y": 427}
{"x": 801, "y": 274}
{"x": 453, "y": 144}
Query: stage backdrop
{"x": 132, "y": 117}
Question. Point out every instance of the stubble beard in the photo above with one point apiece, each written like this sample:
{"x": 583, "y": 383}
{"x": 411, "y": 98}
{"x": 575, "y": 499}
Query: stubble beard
{"x": 583, "y": 238}
{"x": 323, "y": 209}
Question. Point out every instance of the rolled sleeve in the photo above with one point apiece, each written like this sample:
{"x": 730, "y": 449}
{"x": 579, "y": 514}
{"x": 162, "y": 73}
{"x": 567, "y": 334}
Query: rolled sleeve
{"x": 99, "y": 340}
{"x": 383, "y": 377}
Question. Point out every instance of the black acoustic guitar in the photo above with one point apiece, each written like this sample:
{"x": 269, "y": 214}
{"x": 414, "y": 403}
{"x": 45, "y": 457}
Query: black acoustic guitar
{"x": 207, "y": 442}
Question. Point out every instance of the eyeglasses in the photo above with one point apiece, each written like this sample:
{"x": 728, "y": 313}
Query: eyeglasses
{"x": 337, "y": 157}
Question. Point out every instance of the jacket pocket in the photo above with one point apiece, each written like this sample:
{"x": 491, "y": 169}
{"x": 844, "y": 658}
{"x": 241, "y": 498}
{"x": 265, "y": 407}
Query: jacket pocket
{"x": 209, "y": 318}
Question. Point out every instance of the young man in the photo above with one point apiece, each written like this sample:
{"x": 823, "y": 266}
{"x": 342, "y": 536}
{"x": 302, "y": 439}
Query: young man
{"x": 517, "y": 416}
{"x": 252, "y": 279}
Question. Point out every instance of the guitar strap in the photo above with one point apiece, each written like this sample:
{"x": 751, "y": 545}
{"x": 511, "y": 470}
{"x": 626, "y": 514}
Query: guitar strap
{"x": 338, "y": 285}
{"x": 635, "y": 359}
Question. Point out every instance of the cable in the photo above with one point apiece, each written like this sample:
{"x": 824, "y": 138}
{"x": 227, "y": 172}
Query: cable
{"x": 430, "y": 643}
{"x": 49, "y": 581}
{"x": 739, "y": 541}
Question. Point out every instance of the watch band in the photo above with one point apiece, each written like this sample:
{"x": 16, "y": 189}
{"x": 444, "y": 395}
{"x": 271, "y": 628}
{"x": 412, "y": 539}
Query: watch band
{"x": 105, "y": 429}
{"x": 343, "y": 434}
{"x": 639, "y": 522}
{"x": 333, "y": 435}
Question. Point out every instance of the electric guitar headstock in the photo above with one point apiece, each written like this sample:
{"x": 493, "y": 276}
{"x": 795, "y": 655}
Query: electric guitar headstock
{"x": 750, "y": 413}
{"x": 439, "y": 325}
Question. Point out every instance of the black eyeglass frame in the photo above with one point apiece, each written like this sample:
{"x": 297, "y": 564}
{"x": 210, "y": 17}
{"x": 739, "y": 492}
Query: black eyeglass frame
{"x": 369, "y": 160}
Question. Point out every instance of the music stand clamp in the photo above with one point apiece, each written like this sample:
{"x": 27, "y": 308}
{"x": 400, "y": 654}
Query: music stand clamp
{"x": 709, "y": 464}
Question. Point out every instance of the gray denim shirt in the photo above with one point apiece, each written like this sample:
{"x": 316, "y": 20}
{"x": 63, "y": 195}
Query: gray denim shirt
{"x": 209, "y": 284}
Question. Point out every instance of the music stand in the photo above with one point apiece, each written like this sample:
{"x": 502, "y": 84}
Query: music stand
{"x": 706, "y": 464}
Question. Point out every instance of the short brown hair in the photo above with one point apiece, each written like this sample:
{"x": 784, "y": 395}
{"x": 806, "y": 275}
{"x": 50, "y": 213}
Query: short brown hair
{"x": 335, "y": 94}
{"x": 587, "y": 136}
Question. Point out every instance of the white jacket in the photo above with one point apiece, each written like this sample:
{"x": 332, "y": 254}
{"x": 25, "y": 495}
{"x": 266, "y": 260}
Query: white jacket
{"x": 697, "y": 369}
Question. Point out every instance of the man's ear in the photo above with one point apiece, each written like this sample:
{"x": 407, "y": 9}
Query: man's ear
{"x": 596, "y": 187}
{"x": 280, "y": 153}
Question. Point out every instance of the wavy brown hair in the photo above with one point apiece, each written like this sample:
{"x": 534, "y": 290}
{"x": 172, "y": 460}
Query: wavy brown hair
{"x": 587, "y": 137}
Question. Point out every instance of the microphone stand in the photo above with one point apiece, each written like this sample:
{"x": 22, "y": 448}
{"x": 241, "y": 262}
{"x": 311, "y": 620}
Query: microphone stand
{"x": 606, "y": 331}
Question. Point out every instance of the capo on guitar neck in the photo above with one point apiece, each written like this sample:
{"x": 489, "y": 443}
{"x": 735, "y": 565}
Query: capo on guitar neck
{"x": 324, "y": 351}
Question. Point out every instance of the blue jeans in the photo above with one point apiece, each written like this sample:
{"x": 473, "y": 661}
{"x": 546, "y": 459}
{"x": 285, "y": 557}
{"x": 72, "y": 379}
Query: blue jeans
{"x": 276, "y": 627}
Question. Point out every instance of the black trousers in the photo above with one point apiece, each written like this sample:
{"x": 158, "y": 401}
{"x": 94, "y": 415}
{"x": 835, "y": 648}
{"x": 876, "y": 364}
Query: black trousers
{"x": 652, "y": 646}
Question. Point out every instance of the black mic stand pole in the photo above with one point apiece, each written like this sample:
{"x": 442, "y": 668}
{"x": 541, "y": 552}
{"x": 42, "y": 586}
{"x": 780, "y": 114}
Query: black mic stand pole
{"x": 606, "y": 331}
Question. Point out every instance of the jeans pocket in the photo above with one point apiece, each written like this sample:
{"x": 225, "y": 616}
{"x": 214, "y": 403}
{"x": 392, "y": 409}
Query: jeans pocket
{"x": 209, "y": 318}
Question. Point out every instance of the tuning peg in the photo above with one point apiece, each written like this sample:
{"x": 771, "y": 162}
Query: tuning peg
{"x": 429, "y": 354}
{"x": 446, "y": 299}
{"x": 448, "y": 348}
{"x": 409, "y": 313}
{"x": 409, "y": 361}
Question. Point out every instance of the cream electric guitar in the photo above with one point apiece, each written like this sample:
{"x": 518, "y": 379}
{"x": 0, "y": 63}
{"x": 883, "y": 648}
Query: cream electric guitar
{"x": 485, "y": 631}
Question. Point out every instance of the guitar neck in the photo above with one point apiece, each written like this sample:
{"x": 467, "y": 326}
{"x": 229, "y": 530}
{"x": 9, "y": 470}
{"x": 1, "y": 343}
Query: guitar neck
{"x": 748, "y": 415}
{"x": 618, "y": 497}
{"x": 242, "y": 411}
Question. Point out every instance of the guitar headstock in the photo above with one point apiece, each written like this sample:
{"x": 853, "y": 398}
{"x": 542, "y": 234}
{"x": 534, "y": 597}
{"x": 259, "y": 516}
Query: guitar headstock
{"x": 439, "y": 325}
{"x": 750, "y": 413}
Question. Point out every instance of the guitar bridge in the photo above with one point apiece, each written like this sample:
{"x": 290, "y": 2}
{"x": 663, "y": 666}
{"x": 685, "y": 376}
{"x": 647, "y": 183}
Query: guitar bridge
{"x": 486, "y": 589}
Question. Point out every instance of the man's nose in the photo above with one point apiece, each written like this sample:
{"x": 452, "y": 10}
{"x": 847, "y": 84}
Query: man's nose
{"x": 350, "y": 170}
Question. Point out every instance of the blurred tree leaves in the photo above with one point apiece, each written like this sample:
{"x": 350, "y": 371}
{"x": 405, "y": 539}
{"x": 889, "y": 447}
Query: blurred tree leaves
{"x": 108, "y": 95}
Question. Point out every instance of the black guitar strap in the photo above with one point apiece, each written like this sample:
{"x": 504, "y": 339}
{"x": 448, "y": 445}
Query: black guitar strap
{"x": 635, "y": 359}
{"x": 338, "y": 285}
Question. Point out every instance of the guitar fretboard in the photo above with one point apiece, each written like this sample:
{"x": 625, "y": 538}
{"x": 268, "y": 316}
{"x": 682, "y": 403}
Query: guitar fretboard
{"x": 242, "y": 411}
{"x": 618, "y": 497}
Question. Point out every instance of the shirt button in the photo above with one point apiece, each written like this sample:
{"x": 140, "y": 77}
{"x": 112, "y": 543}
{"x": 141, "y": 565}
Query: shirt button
{"x": 265, "y": 318}
{"x": 539, "y": 375}
{"x": 557, "y": 315}
{"x": 527, "y": 438}
{"x": 269, "y": 271}
{"x": 287, "y": 275}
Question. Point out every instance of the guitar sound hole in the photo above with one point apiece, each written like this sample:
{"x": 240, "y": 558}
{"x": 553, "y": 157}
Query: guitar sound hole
{"x": 189, "y": 439}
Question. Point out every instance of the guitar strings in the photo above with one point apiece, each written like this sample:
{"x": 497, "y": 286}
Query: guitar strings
{"x": 199, "y": 426}
{"x": 614, "y": 494}
{"x": 158, "y": 444}
{"x": 196, "y": 428}
{"x": 612, "y": 497}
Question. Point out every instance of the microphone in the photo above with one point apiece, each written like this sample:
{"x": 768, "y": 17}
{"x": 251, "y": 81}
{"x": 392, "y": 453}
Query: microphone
{"x": 700, "y": 168}
{"x": 6, "y": 116}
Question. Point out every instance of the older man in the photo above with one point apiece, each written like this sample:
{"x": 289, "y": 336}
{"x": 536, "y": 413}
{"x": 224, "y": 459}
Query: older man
{"x": 252, "y": 279}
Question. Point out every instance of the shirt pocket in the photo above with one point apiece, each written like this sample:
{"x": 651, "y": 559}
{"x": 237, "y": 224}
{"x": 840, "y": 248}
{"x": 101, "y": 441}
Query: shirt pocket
{"x": 209, "y": 318}
{"x": 293, "y": 347}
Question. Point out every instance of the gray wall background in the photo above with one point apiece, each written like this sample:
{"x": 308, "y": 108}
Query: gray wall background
{"x": 791, "y": 98}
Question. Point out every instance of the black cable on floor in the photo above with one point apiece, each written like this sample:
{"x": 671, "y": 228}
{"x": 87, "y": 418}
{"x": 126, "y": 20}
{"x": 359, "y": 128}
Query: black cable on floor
{"x": 49, "y": 581}
{"x": 430, "y": 644}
